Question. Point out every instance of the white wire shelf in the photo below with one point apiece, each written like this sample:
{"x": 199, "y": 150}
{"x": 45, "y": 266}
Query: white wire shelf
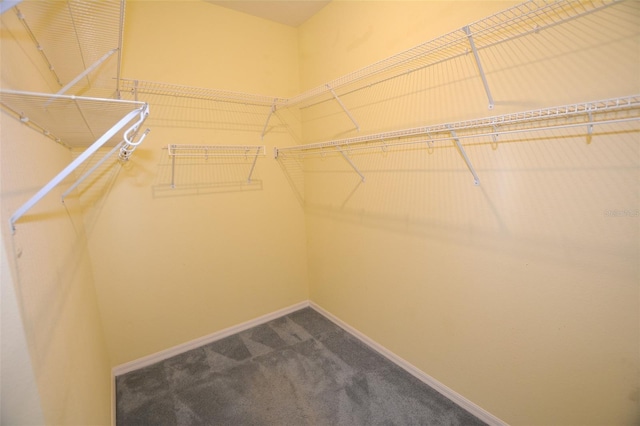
{"x": 206, "y": 151}
{"x": 73, "y": 121}
{"x": 143, "y": 87}
{"x": 526, "y": 18}
{"x": 523, "y": 19}
{"x": 247, "y": 152}
{"x": 592, "y": 113}
{"x": 77, "y": 121}
{"x": 80, "y": 41}
{"x": 584, "y": 115}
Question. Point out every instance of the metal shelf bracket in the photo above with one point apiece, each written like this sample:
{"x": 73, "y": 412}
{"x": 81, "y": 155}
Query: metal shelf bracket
{"x": 346, "y": 157}
{"x": 344, "y": 108}
{"x": 467, "y": 31}
{"x": 476, "y": 180}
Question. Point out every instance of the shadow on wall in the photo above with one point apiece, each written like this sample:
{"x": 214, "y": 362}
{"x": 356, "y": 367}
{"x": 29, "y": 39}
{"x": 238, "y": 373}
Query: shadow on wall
{"x": 53, "y": 281}
{"x": 544, "y": 193}
{"x": 207, "y": 174}
{"x": 554, "y": 190}
{"x": 93, "y": 192}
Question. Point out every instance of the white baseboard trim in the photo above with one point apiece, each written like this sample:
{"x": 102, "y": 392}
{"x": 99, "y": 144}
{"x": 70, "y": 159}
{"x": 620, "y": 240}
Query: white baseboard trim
{"x": 201, "y": 341}
{"x": 455, "y": 397}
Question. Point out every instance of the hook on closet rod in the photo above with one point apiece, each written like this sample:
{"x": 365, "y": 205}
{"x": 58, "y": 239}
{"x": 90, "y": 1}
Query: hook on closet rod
{"x": 129, "y": 144}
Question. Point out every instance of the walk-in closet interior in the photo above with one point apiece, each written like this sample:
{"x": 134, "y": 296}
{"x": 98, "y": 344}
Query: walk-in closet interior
{"x": 454, "y": 182}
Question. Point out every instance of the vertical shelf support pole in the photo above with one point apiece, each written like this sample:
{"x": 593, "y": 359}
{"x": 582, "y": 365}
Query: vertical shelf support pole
{"x": 467, "y": 31}
{"x": 476, "y": 180}
{"x": 346, "y": 157}
{"x": 273, "y": 109}
{"x": 71, "y": 167}
{"x": 344, "y": 108}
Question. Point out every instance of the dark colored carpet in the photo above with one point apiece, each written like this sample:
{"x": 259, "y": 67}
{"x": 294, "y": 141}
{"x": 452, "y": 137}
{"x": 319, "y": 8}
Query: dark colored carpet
{"x": 297, "y": 370}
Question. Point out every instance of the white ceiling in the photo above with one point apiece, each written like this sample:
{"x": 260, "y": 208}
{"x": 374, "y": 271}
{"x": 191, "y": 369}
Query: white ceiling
{"x": 288, "y": 12}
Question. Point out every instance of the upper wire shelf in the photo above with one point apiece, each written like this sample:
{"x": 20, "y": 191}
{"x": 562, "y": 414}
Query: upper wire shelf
{"x": 525, "y": 18}
{"x": 79, "y": 42}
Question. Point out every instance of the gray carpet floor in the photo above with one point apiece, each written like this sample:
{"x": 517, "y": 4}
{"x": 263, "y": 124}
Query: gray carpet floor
{"x": 300, "y": 369}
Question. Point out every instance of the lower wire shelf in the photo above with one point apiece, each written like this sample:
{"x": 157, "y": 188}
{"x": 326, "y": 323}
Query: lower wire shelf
{"x": 212, "y": 151}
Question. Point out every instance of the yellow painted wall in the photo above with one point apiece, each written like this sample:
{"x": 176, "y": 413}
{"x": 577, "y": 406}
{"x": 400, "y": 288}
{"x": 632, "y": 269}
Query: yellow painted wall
{"x": 521, "y": 294}
{"x": 172, "y": 265}
{"x": 48, "y": 270}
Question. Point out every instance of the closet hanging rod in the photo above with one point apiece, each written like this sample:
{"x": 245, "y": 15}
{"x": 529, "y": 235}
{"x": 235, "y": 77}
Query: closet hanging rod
{"x": 588, "y": 110}
{"x": 526, "y": 18}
